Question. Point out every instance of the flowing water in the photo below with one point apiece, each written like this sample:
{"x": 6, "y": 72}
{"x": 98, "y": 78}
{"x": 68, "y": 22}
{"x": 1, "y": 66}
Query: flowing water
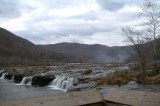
{"x": 62, "y": 83}
{"x": 26, "y": 81}
{"x": 9, "y": 90}
{"x": 3, "y": 75}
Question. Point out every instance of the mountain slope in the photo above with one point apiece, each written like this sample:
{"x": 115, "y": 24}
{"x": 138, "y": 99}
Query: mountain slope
{"x": 100, "y": 53}
{"x": 11, "y": 44}
{"x": 15, "y": 50}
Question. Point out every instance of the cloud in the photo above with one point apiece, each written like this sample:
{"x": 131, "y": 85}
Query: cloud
{"x": 12, "y": 8}
{"x": 83, "y": 21}
{"x": 97, "y": 38}
{"x": 115, "y": 5}
{"x": 111, "y": 5}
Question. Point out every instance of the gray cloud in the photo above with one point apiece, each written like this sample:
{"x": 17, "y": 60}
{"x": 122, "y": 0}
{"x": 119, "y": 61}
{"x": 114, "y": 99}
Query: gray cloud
{"x": 88, "y": 16}
{"x": 114, "y": 5}
{"x": 111, "y": 5}
{"x": 57, "y": 3}
{"x": 47, "y": 25}
{"x": 12, "y": 8}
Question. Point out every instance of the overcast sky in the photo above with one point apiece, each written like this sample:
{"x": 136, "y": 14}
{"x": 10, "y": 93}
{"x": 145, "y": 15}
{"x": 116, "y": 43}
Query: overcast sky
{"x": 82, "y": 21}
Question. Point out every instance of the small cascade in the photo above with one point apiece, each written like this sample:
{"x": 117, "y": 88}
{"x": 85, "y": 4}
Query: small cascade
{"x": 12, "y": 79}
{"x": 62, "y": 83}
{"x": 1, "y": 71}
{"x": 23, "y": 81}
{"x": 26, "y": 81}
{"x": 3, "y": 75}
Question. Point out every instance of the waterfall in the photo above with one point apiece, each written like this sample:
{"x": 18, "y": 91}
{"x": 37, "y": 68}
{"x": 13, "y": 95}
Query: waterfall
{"x": 26, "y": 81}
{"x": 3, "y": 75}
{"x": 12, "y": 78}
{"x": 1, "y": 71}
{"x": 62, "y": 83}
{"x": 23, "y": 81}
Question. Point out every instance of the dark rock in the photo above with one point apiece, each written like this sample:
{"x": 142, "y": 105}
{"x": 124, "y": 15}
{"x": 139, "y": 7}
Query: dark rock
{"x": 86, "y": 72}
{"x": 42, "y": 80}
{"x": 18, "y": 78}
{"x": 82, "y": 86}
{"x": 75, "y": 81}
{"x": 8, "y": 76}
{"x": 73, "y": 89}
{"x": 28, "y": 79}
{"x": 83, "y": 79}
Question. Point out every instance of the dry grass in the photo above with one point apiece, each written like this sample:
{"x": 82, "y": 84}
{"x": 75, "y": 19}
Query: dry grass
{"x": 148, "y": 78}
{"x": 118, "y": 78}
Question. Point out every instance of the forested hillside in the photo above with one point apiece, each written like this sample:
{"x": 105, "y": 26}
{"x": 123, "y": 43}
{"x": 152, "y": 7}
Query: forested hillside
{"x": 96, "y": 52}
{"x": 15, "y": 50}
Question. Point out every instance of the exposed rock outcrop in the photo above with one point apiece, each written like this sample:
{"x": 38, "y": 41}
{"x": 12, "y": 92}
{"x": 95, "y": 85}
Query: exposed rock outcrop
{"x": 18, "y": 78}
{"x": 42, "y": 80}
{"x": 8, "y": 76}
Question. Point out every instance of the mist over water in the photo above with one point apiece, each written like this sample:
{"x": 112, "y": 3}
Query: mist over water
{"x": 104, "y": 57}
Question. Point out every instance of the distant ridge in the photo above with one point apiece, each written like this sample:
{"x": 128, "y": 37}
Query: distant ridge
{"x": 15, "y": 50}
{"x": 96, "y": 52}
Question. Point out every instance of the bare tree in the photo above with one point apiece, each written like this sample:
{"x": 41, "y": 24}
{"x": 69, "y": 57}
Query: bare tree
{"x": 149, "y": 30}
{"x": 151, "y": 22}
{"x": 134, "y": 36}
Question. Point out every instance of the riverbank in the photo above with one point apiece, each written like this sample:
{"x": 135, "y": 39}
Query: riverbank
{"x": 113, "y": 97}
{"x": 76, "y": 77}
{"x": 87, "y": 97}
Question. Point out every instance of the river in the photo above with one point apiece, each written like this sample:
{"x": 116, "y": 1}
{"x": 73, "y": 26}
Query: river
{"x": 9, "y": 90}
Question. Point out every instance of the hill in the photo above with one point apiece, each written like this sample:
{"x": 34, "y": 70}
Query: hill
{"x": 96, "y": 52}
{"x": 15, "y": 50}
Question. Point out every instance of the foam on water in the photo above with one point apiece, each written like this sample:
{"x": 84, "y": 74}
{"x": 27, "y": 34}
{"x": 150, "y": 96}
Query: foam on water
{"x": 26, "y": 81}
{"x": 62, "y": 83}
{"x": 3, "y": 75}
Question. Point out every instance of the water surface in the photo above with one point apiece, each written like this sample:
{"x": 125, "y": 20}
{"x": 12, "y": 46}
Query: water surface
{"x": 9, "y": 90}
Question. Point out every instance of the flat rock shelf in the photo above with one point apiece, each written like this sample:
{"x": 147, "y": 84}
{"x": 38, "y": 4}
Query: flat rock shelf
{"x": 114, "y": 97}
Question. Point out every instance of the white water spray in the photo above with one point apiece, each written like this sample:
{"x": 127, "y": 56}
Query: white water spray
{"x": 62, "y": 83}
{"x": 3, "y": 75}
{"x": 26, "y": 81}
{"x": 12, "y": 78}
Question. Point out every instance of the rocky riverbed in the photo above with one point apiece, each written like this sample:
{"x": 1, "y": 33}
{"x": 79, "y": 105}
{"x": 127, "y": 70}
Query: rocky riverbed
{"x": 70, "y": 77}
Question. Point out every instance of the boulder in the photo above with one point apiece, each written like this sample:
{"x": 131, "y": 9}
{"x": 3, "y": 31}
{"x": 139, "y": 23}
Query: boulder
{"x": 8, "y": 76}
{"x": 82, "y": 86}
{"x": 75, "y": 81}
{"x": 86, "y": 72}
{"x": 18, "y": 78}
{"x": 83, "y": 79}
{"x": 42, "y": 80}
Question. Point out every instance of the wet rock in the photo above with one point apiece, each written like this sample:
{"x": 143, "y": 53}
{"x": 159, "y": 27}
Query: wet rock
{"x": 18, "y": 78}
{"x": 8, "y": 76}
{"x": 28, "y": 79}
{"x": 131, "y": 84}
{"x": 83, "y": 79}
{"x": 86, "y": 72}
{"x": 42, "y": 80}
{"x": 75, "y": 81}
{"x": 73, "y": 89}
{"x": 82, "y": 86}
{"x": 49, "y": 73}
